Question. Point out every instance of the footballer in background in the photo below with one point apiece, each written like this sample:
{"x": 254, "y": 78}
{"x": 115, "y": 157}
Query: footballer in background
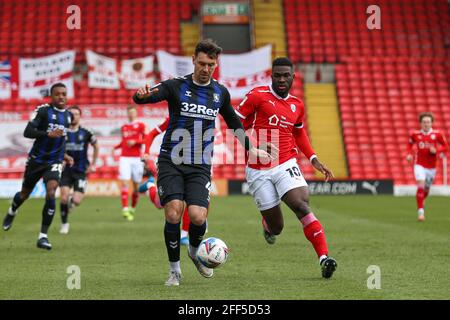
{"x": 78, "y": 139}
{"x": 424, "y": 147}
{"x": 131, "y": 166}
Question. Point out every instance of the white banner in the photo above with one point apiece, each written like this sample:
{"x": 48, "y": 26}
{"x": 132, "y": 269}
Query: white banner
{"x": 5, "y": 80}
{"x": 37, "y": 75}
{"x": 102, "y": 71}
{"x": 238, "y": 72}
{"x": 171, "y": 66}
{"x": 136, "y": 73}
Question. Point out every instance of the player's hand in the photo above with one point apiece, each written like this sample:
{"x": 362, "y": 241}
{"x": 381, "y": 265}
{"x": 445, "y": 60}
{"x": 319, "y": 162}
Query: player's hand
{"x": 409, "y": 158}
{"x": 91, "y": 168}
{"x": 261, "y": 154}
{"x": 69, "y": 160}
{"x": 146, "y": 157}
{"x": 146, "y": 92}
{"x": 432, "y": 150}
{"x": 57, "y": 133}
{"x": 270, "y": 148}
{"x": 322, "y": 168}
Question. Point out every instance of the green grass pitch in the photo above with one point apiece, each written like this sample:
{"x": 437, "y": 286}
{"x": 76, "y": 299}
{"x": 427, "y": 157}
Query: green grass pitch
{"x": 128, "y": 260}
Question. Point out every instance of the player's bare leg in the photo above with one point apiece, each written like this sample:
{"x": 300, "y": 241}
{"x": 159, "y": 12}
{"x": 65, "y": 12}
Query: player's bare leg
{"x": 64, "y": 208}
{"x": 420, "y": 198}
{"x": 124, "y": 198}
{"x": 19, "y": 198}
{"x": 48, "y": 212}
{"x": 197, "y": 229}
{"x": 298, "y": 201}
{"x": 150, "y": 189}
{"x": 173, "y": 211}
{"x": 134, "y": 198}
{"x": 69, "y": 203}
{"x": 273, "y": 223}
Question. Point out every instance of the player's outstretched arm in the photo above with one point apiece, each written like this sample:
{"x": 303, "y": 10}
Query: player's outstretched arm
{"x": 149, "y": 94}
{"x": 233, "y": 122}
{"x": 322, "y": 168}
{"x": 32, "y": 132}
{"x": 443, "y": 145}
{"x": 92, "y": 166}
{"x": 303, "y": 143}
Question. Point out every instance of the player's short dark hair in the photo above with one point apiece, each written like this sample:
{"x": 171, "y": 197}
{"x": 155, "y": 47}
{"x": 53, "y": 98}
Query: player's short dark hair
{"x": 282, "y": 61}
{"x": 209, "y": 47}
{"x": 426, "y": 114}
{"x": 57, "y": 85}
{"x": 75, "y": 107}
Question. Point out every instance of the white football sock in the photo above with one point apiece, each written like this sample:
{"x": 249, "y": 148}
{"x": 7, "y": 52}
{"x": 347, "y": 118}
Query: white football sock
{"x": 11, "y": 213}
{"x": 42, "y": 235}
{"x": 192, "y": 251}
{"x": 322, "y": 258}
{"x": 175, "y": 266}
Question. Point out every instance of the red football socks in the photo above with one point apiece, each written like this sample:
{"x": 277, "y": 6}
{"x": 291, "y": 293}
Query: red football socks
{"x": 154, "y": 197}
{"x": 186, "y": 220}
{"x": 134, "y": 198}
{"x": 315, "y": 234}
{"x": 124, "y": 197}
{"x": 420, "y": 197}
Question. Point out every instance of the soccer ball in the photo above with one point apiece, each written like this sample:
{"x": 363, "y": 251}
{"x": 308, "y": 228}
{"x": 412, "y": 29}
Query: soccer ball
{"x": 212, "y": 252}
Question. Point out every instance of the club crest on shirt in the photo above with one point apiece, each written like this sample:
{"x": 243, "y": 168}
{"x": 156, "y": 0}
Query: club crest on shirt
{"x": 433, "y": 137}
{"x": 293, "y": 107}
{"x": 216, "y": 97}
{"x": 80, "y": 137}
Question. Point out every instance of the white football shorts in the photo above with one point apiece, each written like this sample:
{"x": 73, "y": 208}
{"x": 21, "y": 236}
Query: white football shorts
{"x": 424, "y": 174}
{"x": 131, "y": 168}
{"x": 269, "y": 186}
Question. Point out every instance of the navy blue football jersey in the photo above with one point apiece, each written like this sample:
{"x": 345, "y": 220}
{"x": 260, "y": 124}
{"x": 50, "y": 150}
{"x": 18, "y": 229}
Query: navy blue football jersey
{"x": 193, "y": 109}
{"x": 47, "y": 150}
{"x": 77, "y": 144}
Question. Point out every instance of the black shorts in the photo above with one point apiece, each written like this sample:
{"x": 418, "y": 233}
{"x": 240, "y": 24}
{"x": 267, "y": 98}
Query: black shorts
{"x": 35, "y": 171}
{"x": 191, "y": 183}
{"x": 74, "y": 179}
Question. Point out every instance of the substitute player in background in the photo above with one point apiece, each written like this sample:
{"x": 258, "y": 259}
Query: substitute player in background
{"x": 185, "y": 158}
{"x": 77, "y": 143}
{"x": 272, "y": 109}
{"x": 131, "y": 166}
{"x": 45, "y": 159}
{"x": 429, "y": 144}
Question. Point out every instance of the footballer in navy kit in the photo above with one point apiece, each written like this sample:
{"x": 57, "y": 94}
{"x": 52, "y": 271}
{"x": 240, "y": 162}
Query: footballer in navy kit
{"x": 78, "y": 140}
{"x": 184, "y": 163}
{"x": 45, "y": 160}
